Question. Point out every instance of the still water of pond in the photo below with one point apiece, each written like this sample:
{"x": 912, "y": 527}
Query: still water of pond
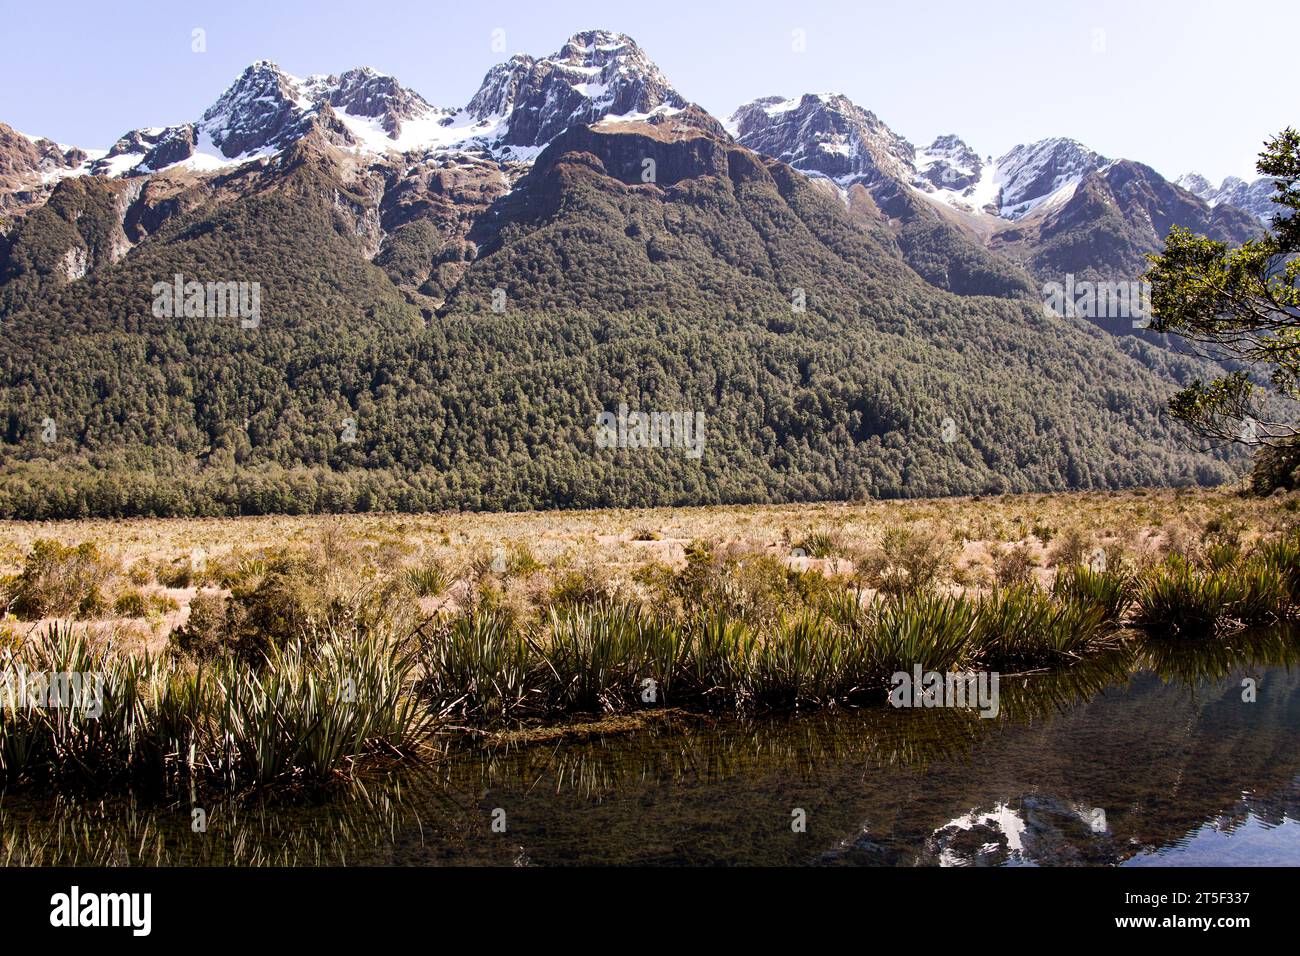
{"x": 1147, "y": 756}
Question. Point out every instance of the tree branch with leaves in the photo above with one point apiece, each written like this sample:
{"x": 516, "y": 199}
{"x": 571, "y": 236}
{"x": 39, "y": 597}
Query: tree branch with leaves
{"x": 1240, "y": 307}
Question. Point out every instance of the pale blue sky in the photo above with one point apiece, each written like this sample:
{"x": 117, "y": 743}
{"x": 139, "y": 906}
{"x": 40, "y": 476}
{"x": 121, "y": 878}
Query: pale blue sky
{"x": 1197, "y": 84}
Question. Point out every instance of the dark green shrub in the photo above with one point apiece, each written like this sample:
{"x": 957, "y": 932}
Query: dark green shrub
{"x": 204, "y": 635}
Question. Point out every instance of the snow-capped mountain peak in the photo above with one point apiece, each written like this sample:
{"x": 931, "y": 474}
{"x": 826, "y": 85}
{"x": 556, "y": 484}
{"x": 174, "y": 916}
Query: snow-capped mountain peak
{"x": 262, "y": 111}
{"x": 1197, "y": 185}
{"x": 267, "y": 109}
{"x": 829, "y": 135}
{"x": 948, "y": 163}
{"x": 365, "y": 92}
{"x": 1255, "y": 197}
{"x": 522, "y": 105}
{"x": 824, "y": 134}
{"x": 525, "y": 103}
{"x": 1030, "y": 174}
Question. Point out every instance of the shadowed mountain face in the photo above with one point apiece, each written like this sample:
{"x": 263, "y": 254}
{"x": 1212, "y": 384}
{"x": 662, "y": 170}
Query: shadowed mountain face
{"x": 1053, "y": 206}
{"x": 948, "y": 163}
{"x": 1112, "y": 219}
{"x": 825, "y": 134}
{"x": 472, "y": 288}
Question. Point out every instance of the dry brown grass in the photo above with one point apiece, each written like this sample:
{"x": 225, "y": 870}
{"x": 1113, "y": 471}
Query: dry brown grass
{"x": 982, "y": 540}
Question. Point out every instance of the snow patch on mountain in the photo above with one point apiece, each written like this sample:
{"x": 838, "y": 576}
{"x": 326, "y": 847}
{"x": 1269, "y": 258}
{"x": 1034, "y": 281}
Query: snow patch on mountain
{"x": 1034, "y": 173}
{"x": 1031, "y": 177}
{"x": 519, "y": 108}
{"x": 824, "y": 134}
{"x": 1255, "y": 197}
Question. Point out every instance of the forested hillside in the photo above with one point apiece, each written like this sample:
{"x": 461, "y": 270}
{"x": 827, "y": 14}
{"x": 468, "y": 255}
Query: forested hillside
{"x": 353, "y": 393}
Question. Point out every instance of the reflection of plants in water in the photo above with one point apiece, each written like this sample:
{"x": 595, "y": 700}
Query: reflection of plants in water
{"x": 1192, "y": 662}
{"x": 708, "y": 751}
{"x": 360, "y": 825}
{"x": 797, "y": 746}
{"x": 793, "y": 747}
{"x": 1040, "y": 695}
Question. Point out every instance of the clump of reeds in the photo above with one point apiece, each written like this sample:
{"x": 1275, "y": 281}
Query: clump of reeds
{"x": 313, "y": 710}
{"x": 428, "y": 580}
{"x": 319, "y": 688}
{"x": 603, "y": 656}
{"x": 803, "y": 660}
{"x": 477, "y": 665}
{"x": 1110, "y": 591}
{"x": 719, "y": 647}
{"x": 926, "y": 629}
{"x": 1282, "y": 554}
{"x": 1177, "y": 599}
{"x": 597, "y": 655}
{"x": 1022, "y": 626}
{"x": 820, "y": 544}
{"x": 309, "y": 714}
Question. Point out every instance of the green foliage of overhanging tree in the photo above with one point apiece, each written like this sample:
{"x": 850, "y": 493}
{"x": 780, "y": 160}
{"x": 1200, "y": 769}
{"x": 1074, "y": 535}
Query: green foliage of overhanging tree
{"x": 1240, "y": 306}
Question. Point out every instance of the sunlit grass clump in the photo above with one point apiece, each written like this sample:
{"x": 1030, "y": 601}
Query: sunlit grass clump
{"x": 304, "y": 717}
{"x": 609, "y": 655}
{"x": 1178, "y": 599}
{"x": 1023, "y": 627}
{"x": 1109, "y": 591}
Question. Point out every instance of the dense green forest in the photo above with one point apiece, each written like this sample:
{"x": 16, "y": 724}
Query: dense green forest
{"x": 350, "y": 395}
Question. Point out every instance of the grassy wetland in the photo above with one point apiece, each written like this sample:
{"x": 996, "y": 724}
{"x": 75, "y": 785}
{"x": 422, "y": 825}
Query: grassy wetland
{"x": 236, "y": 656}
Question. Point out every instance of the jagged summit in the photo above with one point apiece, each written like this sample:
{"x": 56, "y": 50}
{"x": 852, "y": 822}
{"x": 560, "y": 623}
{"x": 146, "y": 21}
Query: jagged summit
{"x": 1256, "y": 197}
{"x": 595, "y": 74}
{"x": 263, "y": 110}
{"x": 826, "y": 134}
{"x": 364, "y": 116}
{"x": 948, "y": 163}
{"x": 365, "y": 92}
{"x": 521, "y": 105}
